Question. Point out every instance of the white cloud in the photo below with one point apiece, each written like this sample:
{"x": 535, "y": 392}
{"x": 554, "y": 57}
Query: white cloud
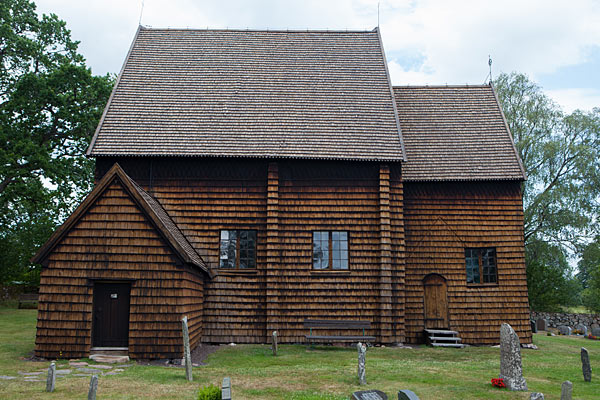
{"x": 576, "y": 98}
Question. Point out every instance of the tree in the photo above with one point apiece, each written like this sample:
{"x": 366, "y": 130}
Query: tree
{"x": 561, "y": 155}
{"x": 589, "y": 275}
{"x": 561, "y": 198}
{"x": 50, "y": 104}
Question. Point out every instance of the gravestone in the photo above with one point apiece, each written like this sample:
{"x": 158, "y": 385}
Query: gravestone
{"x": 407, "y": 395}
{"x": 51, "y": 379}
{"x": 581, "y": 328}
{"x": 186, "y": 349}
{"x": 536, "y": 396}
{"x": 369, "y": 395}
{"x": 226, "y": 389}
{"x": 362, "y": 350}
{"x": 511, "y": 368}
{"x": 595, "y": 330}
{"x": 566, "y": 391}
{"x": 585, "y": 365}
{"x": 542, "y": 324}
{"x": 564, "y": 330}
{"x": 274, "y": 343}
{"x": 533, "y": 327}
{"x": 93, "y": 387}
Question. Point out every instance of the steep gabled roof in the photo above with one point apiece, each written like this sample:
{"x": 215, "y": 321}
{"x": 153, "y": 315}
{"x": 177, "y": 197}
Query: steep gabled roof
{"x": 455, "y": 133}
{"x": 151, "y": 208}
{"x": 235, "y": 93}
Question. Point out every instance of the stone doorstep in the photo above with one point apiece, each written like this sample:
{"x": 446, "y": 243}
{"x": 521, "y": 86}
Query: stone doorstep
{"x": 109, "y": 359}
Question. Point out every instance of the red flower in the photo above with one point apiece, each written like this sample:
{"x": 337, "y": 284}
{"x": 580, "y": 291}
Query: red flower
{"x": 498, "y": 382}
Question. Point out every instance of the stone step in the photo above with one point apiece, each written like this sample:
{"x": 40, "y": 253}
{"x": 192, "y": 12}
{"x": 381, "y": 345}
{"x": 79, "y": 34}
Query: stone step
{"x": 441, "y": 331}
{"x": 109, "y": 358}
{"x": 445, "y": 338}
{"x": 457, "y": 345}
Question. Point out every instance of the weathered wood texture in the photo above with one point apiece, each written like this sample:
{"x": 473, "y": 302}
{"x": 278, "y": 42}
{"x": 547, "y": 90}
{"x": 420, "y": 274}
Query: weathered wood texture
{"x": 115, "y": 241}
{"x": 441, "y": 219}
{"x": 285, "y": 202}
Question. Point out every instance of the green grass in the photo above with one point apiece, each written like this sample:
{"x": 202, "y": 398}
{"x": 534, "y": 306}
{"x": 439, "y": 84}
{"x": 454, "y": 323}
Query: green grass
{"x": 322, "y": 373}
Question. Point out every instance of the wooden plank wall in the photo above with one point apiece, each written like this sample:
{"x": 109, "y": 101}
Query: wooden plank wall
{"x": 115, "y": 241}
{"x": 441, "y": 219}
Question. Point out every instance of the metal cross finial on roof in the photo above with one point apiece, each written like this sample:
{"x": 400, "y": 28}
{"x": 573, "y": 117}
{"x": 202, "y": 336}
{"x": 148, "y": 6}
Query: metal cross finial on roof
{"x": 141, "y": 13}
{"x": 490, "y": 64}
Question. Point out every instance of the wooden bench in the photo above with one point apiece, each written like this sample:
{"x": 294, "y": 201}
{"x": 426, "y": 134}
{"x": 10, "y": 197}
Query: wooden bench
{"x": 28, "y": 300}
{"x": 337, "y": 324}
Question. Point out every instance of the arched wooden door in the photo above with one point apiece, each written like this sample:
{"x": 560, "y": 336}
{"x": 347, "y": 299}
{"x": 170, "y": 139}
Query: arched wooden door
{"x": 435, "y": 301}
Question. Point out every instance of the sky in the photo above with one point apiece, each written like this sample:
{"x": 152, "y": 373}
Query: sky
{"x": 556, "y": 43}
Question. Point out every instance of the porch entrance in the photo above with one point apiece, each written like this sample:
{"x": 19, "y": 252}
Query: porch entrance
{"x": 436, "y": 302}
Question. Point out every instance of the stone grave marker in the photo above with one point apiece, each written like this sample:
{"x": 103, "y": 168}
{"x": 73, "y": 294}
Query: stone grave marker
{"x": 566, "y": 391}
{"x": 51, "y": 379}
{"x": 536, "y": 396}
{"x": 533, "y": 327}
{"x": 93, "y": 387}
{"x": 581, "y": 328}
{"x": 542, "y": 324}
{"x": 362, "y": 350}
{"x": 186, "y": 349}
{"x": 407, "y": 395}
{"x": 564, "y": 330}
{"x": 595, "y": 330}
{"x": 369, "y": 395}
{"x": 511, "y": 368}
{"x": 226, "y": 389}
{"x": 274, "y": 343}
{"x": 585, "y": 365}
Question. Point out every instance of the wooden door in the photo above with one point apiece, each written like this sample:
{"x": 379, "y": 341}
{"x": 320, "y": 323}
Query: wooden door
{"x": 111, "y": 315}
{"x": 436, "y": 302}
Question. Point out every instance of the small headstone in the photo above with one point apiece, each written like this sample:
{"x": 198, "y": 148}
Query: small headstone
{"x": 536, "y": 396}
{"x": 51, "y": 379}
{"x": 93, "y": 387}
{"x": 407, "y": 395}
{"x": 581, "y": 329}
{"x": 274, "y": 346}
{"x": 511, "y": 368}
{"x": 369, "y": 395}
{"x": 362, "y": 350}
{"x": 596, "y": 330}
{"x": 186, "y": 349}
{"x": 533, "y": 327}
{"x": 585, "y": 365}
{"x": 226, "y": 389}
{"x": 542, "y": 324}
{"x": 566, "y": 391}
{"x": 564, "y": 330}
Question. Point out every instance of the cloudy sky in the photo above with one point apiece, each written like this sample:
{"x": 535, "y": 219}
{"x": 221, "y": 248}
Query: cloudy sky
{"x": 556, "y": 43}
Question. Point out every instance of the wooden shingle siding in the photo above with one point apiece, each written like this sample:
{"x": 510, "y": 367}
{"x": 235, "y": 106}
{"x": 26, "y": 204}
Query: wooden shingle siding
{"x": 397, "y": 253}
{"x": 114, "y": 241}
{"x": 441, "y": 219}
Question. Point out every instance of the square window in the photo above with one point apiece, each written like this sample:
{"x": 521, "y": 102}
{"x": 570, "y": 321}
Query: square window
{"x": 480, "y": 264}
{"x": 330, "y": 250}
{"x": 237, "y": 249}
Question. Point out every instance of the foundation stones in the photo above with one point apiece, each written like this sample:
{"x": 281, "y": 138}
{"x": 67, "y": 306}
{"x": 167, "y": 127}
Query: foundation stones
{"x": 585, "y": 365}
{"x": 511, "y": 368}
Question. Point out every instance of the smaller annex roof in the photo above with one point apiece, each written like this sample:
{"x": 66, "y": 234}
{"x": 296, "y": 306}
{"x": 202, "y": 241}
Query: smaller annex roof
{"x": 251, "y": 93}
{"x": 157, "y": 214}
{"x": 455, "y": 133}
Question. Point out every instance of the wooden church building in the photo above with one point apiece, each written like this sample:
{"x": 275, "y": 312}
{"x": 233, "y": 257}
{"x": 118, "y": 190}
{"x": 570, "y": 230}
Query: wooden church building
{"x": 251, "y": 180}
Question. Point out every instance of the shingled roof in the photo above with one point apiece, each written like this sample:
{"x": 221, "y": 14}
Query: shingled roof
{"x": 234, "y": 93}
{"x": 455, "y": 133}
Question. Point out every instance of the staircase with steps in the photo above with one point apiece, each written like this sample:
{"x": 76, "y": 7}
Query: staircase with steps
{"x": 443, "y": 338}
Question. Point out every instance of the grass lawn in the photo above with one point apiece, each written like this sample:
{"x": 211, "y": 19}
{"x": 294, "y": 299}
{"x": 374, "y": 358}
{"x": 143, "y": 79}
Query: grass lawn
{"x": 321, "y": 373}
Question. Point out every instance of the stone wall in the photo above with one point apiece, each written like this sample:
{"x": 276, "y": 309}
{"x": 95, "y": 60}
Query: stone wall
{"x": 557, "y": 319}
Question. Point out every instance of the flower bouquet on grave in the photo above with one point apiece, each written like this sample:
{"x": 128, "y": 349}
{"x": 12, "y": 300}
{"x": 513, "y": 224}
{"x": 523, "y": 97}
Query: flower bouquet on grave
{"x": 498, "y": 382}
{"x": 592, "y": 337}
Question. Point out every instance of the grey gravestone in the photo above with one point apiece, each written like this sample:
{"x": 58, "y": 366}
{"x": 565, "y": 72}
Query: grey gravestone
{"x": 536, "y": 396}
{"x": 542, "y": 324}
{"x": 186, "y": 349}
{"x": 533, "y": 327}
{"x": 585, "y": 365}
{"x": 581, "y": 328}
{"x": 226, "y": 389}
{"x": 93, "y": 387}
{"x": 566, "y": 391}
{"x": 51, "y": 379}
{"x": 274, "y": 343}
{"x": 369, "y": 395}
{"x": 564, "y": 330}
{"x": 511, "y": 368}
{"x": 595, "y": 330}
{"x": 362, "y": 350}
{"x": 407, "y": 395}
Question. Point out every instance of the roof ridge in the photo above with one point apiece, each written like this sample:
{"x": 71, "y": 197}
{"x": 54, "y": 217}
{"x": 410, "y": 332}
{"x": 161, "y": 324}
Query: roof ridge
{"x": 267, "y": 30}
{"x": 466, "y": 85}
